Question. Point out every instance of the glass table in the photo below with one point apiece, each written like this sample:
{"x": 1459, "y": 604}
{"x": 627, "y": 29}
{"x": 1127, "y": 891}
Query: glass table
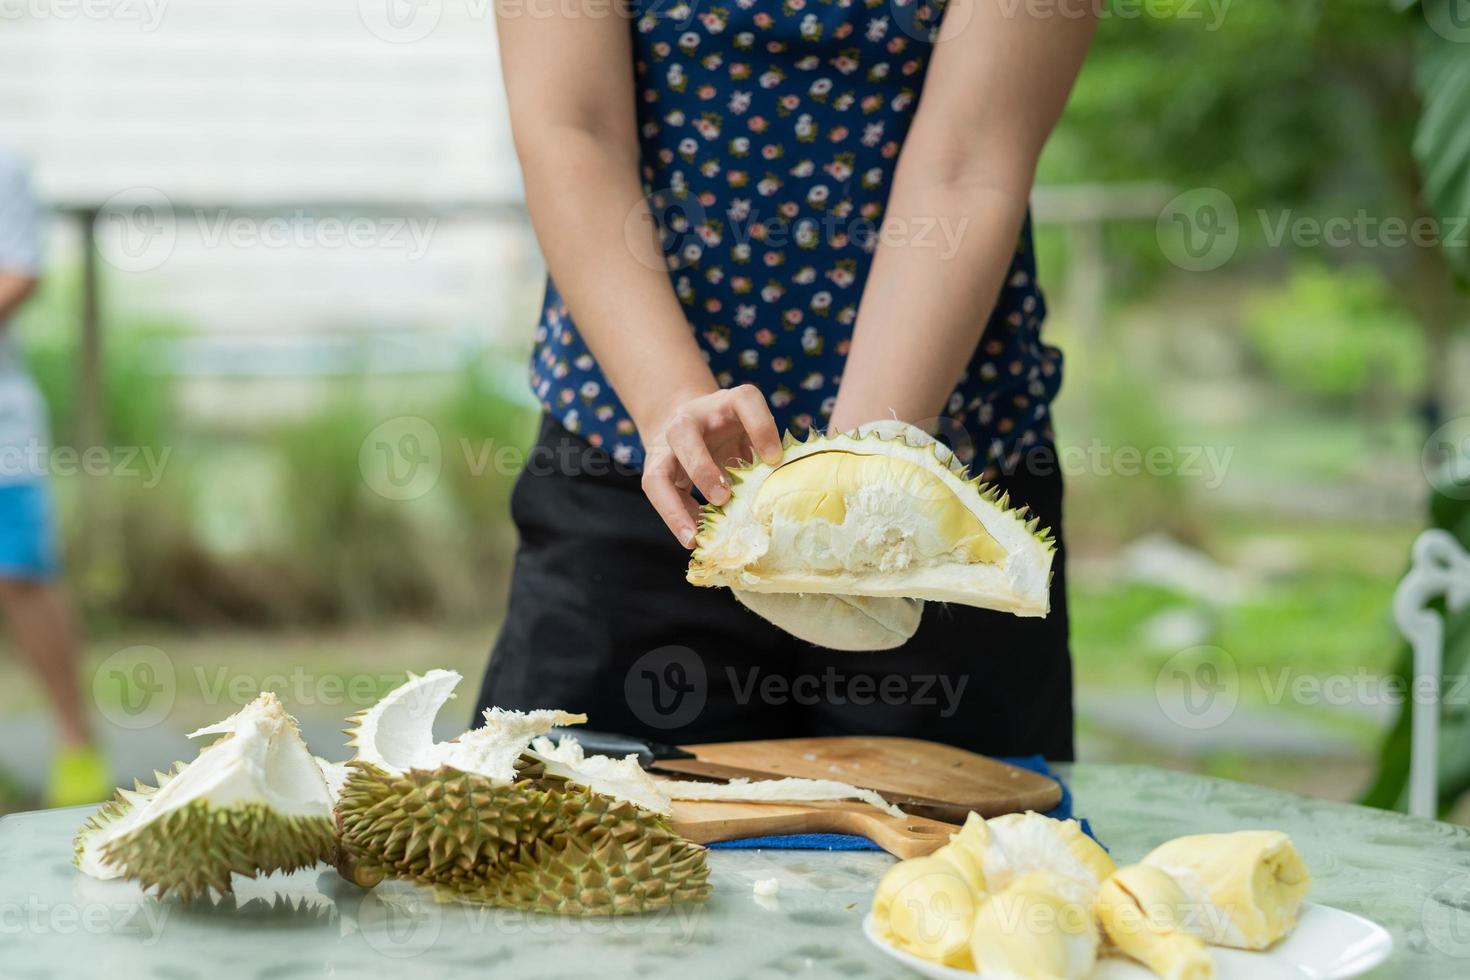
{"x": 1411, "y": 875}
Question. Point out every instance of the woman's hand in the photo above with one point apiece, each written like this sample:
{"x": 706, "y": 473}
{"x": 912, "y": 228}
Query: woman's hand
{"x": 699, "y": 435}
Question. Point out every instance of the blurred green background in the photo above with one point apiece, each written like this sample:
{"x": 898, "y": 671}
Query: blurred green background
{"x": 1301, "y": 377}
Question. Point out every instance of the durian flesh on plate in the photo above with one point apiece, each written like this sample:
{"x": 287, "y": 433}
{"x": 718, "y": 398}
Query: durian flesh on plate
{"x": 885, "y": 514}
{"x": 1248, "y": 886}
{"x": 253, "y": 802}
{"x": 935, "y": 907}
{"x": 481, "y": 819}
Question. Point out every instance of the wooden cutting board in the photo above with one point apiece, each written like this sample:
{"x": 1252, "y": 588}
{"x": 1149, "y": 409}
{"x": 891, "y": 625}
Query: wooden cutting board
{"x": 909, "y": 766}
{"x": 706, "y": 822}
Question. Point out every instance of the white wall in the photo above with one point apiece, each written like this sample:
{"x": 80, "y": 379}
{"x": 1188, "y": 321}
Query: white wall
{"x": 222, "y": 107}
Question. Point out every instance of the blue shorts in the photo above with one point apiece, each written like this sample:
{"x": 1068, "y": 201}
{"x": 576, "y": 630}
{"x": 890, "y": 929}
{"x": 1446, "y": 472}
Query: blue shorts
{"x": 27, "y": 532}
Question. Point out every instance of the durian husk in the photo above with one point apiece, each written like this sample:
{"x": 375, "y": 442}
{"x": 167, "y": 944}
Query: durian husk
{"x": 538, "y": 844}
{"x": 190, "y": 850}
{"x": 997, "y": 555}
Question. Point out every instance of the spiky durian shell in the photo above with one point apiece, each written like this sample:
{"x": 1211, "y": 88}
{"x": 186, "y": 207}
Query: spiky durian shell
{"x": 435, "y": 826}
{"x": 119, "y": 806}
{"x": 538, "y": 844}
{"x": 603, "y": 857}
{"x": 196, "y": 847}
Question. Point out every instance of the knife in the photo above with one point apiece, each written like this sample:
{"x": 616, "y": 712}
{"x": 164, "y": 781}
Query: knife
{"x": 668, "y": 759}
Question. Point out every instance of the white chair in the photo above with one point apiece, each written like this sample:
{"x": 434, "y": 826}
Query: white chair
{"x": 1441, "y": 567}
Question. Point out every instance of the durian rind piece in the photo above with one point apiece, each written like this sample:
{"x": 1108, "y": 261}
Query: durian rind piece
{"x": 838, "y": 622}
{"x": 1249, "y": 884}
{"x": 883, "y": 511}
{"x": 604, "y": 857}
{"x": 396, "y": 734}
{"x": 542, "y": 845}
{"x": 1146, "y": 915}
{"x": 622, "y": 779}
{"x": 789, "y": 789}
{"x": 1036, "y": 928}
{"x": 254, "y": 801}
{"x": 435, "y": 826}
{"x": 195, "y": 848}
{"x": 501, "y": 816}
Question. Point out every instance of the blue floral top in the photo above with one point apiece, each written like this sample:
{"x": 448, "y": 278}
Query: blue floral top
{"x": 769, "y": 134}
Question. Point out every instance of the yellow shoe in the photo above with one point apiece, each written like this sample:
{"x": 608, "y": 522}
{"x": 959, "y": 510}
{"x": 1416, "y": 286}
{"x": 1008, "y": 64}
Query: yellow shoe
{"x": 79, "y": 775}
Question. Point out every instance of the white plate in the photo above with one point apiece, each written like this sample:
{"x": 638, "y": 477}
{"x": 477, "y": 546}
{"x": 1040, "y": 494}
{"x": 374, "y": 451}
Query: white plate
{"x": 1327, "y": 944}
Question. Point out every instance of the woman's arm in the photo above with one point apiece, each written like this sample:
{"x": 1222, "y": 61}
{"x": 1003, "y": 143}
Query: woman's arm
{"x": 998, "y": 82}
{"x": 569, "y": 76}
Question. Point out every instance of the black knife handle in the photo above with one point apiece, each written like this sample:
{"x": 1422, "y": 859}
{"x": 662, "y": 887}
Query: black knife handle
{"x": 610, "y": 743}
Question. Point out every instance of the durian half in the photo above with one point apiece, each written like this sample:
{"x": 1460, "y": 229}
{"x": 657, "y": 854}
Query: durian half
{"x": 883, "y": 517}
{"x": 483, "y": 819}
{"x": 253, "y": 802}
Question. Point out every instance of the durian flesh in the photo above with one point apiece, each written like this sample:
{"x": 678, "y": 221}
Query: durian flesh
{"x": 253, "y": 802}
{"x": 934, "y": 907}
{"x": 884, "y": 512}
{"x": 1037, "y": 928}
{"x": 1146, "y": 915}
{"x": 1248, "y": 885}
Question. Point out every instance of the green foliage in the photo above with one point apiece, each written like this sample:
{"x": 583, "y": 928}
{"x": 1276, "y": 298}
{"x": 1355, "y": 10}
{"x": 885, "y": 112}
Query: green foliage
{"x": 1269, "y": 100}
{"x": 1335, "y": 334}
{"x": 331, "y": 550}
{"x": 1442, "y": 140}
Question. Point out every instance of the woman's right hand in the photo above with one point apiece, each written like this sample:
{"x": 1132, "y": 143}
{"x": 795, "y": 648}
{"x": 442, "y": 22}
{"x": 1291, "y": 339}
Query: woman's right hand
{"x": 697, "y": 436}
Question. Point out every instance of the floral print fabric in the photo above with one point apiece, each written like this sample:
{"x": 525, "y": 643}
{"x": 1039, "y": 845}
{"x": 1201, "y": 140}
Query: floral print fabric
{"x": 769, "y": 135}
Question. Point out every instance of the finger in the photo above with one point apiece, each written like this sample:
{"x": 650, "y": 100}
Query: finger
{"x": 677, "y": 509}
{"x": 687, "y": 440}
{"x": 755, "y": 415}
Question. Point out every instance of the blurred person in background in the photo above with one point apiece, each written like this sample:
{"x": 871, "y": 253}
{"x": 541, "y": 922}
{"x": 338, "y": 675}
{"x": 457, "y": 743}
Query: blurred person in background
{"x": 35, "y": 606}
{"x": 787, "y": 135}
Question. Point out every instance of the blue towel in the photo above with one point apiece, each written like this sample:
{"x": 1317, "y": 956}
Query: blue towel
{"x": 847, "y": 842}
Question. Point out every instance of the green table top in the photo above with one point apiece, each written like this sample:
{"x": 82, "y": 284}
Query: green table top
{"x": 1413, "y": 876}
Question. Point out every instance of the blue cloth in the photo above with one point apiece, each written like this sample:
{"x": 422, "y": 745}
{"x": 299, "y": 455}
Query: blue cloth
{"x": 847, "y": 842}
{"x": 769, "y": 136}
{"x": 27, "y": 532}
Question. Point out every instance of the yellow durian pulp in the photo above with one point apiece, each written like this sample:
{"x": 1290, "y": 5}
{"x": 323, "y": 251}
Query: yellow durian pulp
{"x": 824, "y": 486}
{"x": 1037, "y": 928}
{"x": 1146, "y": 915}
{"x": 1251, "y": 884}
{"x": 926, "y": 907}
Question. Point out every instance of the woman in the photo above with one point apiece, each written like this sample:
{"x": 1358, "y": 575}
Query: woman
{"x": 840, "y": 191}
